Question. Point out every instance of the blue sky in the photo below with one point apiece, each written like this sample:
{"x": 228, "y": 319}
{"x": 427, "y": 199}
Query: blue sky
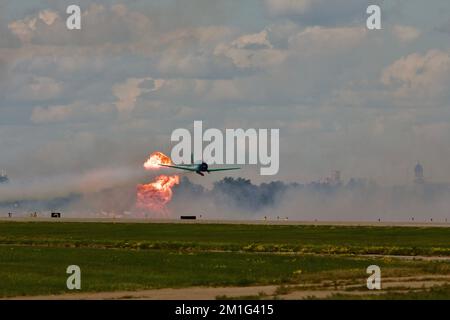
{"x": 368, "y": 103}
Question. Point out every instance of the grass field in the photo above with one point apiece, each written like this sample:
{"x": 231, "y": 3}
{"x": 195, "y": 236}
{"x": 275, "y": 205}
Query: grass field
{"x": 34, "y": 255}
{"x": 249, "y": 238}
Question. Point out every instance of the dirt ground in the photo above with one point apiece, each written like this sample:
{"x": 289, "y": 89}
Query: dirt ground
{"x": 293, "y": 292}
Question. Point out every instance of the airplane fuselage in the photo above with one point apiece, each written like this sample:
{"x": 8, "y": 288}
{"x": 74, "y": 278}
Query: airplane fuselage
{"x": 199, "y": 168}
{"x": 202, "y": 167}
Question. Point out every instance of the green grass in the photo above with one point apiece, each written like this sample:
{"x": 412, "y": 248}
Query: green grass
{"x": 250, "y": 238}
{"x": 41, "y": 270}
{"x": 35, "y": 255}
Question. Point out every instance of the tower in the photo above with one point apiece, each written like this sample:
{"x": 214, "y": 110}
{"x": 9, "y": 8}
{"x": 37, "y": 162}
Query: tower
{"x": 418, "y": 174}
{"x": 3, "y": 177}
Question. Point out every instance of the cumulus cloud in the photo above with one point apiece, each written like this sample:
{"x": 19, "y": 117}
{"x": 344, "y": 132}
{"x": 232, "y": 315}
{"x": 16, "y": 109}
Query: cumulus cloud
{"x": 25, "y": 29}
{"x": 48, "y": 16}
{"x": 276, "y": 73}
{"x": 253, "y": 41}
{"x": 101, "y": 24}
{"x": 252, "y": 51}
{"x": 190, "y": 53}
{"x": 419, "y": 76}
{"x": 128, "y": 92}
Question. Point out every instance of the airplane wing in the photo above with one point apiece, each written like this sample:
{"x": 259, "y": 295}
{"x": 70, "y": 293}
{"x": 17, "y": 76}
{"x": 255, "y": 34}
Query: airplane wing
{"x": 223, "y": 169}
{"x": 179, "y": 167}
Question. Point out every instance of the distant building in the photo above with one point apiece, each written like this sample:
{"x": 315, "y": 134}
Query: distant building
{"x": 3, "y": 177}
{"x": 337, "y": 177}
{"x": 418, "y": 174}
{"x": 332, "y": 181}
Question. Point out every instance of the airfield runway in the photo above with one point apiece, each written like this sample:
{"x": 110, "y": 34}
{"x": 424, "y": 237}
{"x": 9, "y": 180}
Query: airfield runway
{"x": 441, "y": 224}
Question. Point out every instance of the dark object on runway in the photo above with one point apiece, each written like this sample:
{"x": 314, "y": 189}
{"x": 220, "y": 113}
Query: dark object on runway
{"x": 56, "y": 215}
{"x": 188, "y": 217}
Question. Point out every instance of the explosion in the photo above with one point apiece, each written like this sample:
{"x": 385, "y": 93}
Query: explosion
{"x": 155, "y": 160}
{"x": 153, "y": 197}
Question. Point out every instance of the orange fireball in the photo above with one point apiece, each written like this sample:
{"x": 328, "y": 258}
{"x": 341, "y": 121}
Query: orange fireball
{"x": 156, "y": 158}
{"x": 153, "y": 197}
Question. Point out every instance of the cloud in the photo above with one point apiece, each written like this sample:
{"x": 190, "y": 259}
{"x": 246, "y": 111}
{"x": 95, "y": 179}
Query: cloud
{"x": 190, "y": 53}
{"x": 25, "y": 29}
{"x": 253, "y": 41}
{"x": 319, "y": 12}
{"x": 252, "y": 51}
{"x": 278, "y": 74}
{"x": 100, "y": 24}
{"x": 327, "y": 40}
{"x": 127, "y": 93}
{"x": 48, "y": 16}
{"x": 419, "y": 76}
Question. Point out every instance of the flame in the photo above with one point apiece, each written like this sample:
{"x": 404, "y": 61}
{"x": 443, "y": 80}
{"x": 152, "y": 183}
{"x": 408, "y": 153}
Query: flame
{"x": 156, "y": 158}
{"x": 153, "y": 197}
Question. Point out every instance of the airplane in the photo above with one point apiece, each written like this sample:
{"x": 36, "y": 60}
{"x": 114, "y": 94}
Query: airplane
{"x": 198, "y": 168}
